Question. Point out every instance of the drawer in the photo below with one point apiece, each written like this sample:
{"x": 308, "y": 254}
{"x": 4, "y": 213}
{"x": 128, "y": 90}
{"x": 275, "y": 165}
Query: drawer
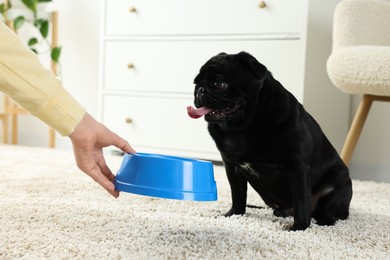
{"x": 204, "y": 17}
{"x": 171, "y": 66}
{"x": 159, "y": 124}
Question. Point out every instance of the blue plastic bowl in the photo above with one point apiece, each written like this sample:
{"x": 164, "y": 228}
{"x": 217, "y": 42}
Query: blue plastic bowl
{"x": 167, "y": 177}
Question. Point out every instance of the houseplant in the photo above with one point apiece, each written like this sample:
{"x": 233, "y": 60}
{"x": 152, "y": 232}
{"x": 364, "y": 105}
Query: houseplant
{"x": 22, "y": 12}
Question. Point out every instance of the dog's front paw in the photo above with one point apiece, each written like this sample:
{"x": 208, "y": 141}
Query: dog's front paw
{"x": 298, "y": 226}
{"x": 234, "y": 211}
{"x": 284, "y": 213}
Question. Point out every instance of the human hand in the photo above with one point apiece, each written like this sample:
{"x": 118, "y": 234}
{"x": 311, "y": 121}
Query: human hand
{"x": 88, "y": 140}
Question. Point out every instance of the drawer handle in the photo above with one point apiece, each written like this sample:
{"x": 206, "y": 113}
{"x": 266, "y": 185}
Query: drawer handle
{"x": 128, "y": 120}
{"x": 132, "y": 9}
{"x": 262, "y": 4}
{"x": 130, "y": 66}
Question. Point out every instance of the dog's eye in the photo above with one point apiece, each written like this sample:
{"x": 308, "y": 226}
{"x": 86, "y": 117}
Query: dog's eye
{"x": 220, "y": 85}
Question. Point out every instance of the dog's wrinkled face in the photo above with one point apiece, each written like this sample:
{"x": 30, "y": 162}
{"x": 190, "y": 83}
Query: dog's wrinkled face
{"x": 227, "y": 89}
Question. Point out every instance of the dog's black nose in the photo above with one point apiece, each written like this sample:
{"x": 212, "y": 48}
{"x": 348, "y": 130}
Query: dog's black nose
{"x": 201, "y": 91}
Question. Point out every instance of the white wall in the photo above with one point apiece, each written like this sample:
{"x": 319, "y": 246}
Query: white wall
{"x": 322, "y": 100}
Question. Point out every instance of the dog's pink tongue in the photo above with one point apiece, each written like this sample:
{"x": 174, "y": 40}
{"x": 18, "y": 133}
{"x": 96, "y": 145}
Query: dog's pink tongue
{"x": 197, "y": 112}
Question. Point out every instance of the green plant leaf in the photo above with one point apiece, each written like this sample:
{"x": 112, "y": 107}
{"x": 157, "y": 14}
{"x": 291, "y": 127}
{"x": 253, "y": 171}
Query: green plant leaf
{"x": 34, "y": 50}
{"x": 44, "y": 28}
{"x": 55, "y": 54}
{"x": 32, "y": 41}
{"x": 31, "y": 4}
{"x": 38, "y": 22}
{"x": 18, "y": 22}
{"x": 2, "y": 8}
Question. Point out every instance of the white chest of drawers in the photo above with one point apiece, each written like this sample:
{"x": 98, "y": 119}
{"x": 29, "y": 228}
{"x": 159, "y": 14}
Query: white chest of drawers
{"x": 152, "y": 50}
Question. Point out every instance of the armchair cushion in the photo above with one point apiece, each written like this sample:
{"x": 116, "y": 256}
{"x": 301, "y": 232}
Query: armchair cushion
{"x": 360, "y": 59}
{"x": 361, "y": 69}
{"x": 361, "y": 22}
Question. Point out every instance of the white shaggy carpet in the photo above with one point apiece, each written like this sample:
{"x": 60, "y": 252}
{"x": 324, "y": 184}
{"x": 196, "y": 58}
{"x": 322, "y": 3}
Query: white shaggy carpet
{"x": 50, "y": 210}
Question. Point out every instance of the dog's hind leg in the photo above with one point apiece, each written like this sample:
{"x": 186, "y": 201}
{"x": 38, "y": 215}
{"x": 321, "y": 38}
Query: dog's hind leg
{"x": 334, "y": 206}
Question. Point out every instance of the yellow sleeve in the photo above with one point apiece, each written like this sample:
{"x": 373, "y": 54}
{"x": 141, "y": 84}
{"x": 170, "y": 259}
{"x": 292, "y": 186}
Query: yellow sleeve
{"x": 35, "y": 88}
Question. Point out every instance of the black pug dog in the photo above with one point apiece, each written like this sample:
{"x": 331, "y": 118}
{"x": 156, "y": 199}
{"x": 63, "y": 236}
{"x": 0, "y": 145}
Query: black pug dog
{"x": 266, "y": 138}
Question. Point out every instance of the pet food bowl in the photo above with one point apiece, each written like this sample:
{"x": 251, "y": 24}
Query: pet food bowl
{"x": 167, "y": 177}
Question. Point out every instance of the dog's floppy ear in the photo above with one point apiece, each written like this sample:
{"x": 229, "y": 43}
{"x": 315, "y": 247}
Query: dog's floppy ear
{"x": 250, "y": 62}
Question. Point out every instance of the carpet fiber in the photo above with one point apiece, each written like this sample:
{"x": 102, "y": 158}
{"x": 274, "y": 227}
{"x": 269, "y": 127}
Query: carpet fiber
{"x": 49, "y": 209}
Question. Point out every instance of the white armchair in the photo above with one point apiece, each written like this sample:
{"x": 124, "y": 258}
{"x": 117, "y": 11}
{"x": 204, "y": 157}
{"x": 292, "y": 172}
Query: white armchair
{"x": 360, "y": 59}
